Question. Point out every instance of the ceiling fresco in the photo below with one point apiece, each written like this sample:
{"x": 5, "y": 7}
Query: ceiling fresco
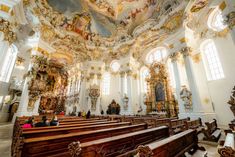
{"x": 105, "y": 29}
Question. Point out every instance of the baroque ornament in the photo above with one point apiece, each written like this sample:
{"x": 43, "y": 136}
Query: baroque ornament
{"x": 94, "y": 93}
{"x": 7, "y": 29}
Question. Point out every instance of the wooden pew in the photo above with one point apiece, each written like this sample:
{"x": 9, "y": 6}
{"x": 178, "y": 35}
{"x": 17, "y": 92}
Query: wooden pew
{"x": 67, "y": 130}
{"x": 212, "y": 132}
{"x": 57, "y": 144}
{"x": 178, "y": 125}
{"x": 18, "y": 136}
{"x": 195, "y": 125}
{"x": 110, "y": 147}
{"x": 82, "y": 122}
{"x": 67, "y": 126}
{"x": 228, "y": 149}
{"x": 174, "y": 146}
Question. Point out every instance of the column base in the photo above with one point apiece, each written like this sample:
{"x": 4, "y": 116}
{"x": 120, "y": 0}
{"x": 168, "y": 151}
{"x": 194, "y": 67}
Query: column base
{"x": 205, "y": 116}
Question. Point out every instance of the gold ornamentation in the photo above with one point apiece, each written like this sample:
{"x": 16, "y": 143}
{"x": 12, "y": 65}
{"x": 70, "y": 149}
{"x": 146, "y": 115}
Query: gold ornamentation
{"x": 7, "y": 29}
{"x": 230, "y": 19}
{"x": 186, "y": 51}
{"x": 174, "y": 56}
{"x": 75, "y": 149}
{"x": 200, "y": 4}
{"x": 197, "y": 58}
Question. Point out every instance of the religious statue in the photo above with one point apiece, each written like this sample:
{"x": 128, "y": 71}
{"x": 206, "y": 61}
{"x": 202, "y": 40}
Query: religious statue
{"x": 125, "y": 100}
{"x": 186, "y": 97}
{"x": 159, "y": 92}
{"x": 94, "y": 93}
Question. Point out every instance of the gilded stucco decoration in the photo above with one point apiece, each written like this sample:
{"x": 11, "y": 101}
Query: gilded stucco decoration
{"x": 104, "y": 30}
{"x": 198, "y": 5}
{"x": 48, "y": 82}
{"x": 7, "y": 29}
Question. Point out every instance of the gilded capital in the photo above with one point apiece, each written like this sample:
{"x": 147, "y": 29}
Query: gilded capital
{"x": 230, "y": 19}
{"x": 122, "y": 73}
{"x": 174, "y": 56}
{"x": 186, "y": 51}
{"x": 99, "y": 76}
{"x": 129, "y": 73}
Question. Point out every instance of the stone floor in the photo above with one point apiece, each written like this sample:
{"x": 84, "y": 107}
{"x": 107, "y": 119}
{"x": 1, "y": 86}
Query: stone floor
{"x": 6, "y": 133}
{"x": 5, "y": 139}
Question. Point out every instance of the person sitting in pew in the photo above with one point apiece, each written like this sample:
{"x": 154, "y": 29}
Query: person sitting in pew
{"x": 88, "y": 115}
{"x": 79, "y": 114}
{"x": 28, "y": 123}
{"x": 43, "y": 123}
{"x": 54, "y": 121}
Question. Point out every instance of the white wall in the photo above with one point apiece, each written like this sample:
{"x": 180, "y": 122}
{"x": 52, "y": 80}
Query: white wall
{"x": 220, "y": 90}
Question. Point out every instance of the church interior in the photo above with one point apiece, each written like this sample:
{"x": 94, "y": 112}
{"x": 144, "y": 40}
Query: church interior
{"x": 126, "y": 78}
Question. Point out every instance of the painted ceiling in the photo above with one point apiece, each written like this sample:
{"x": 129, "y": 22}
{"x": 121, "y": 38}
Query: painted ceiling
{"x": 104, "y": 29}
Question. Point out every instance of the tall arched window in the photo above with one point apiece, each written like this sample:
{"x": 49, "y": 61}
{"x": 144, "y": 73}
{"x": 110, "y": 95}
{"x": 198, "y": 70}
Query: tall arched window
{"x": 8, "y": 64}
{"x": 215, "y": 20}
{"x": 144, "y": 75}
{"x": 211, "y": 60}
{"x": 106, "y": 84}
{"x": 171, "y": 74}
{"x": 157, "y": 54}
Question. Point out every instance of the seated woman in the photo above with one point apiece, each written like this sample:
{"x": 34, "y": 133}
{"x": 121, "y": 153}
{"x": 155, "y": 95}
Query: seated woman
{"x": 43, "y": 123}
{"x": 54, "y": 121}
{"x": 28, "y": 123}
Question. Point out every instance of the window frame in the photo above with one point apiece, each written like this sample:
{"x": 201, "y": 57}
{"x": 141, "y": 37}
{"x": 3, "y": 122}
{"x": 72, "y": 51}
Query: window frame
{"x": 211, "y": 60}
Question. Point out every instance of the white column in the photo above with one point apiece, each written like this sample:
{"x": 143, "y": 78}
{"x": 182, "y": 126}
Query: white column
{"x": 129, "y": 93}
{"x": 197, "y": 107}
{"x": 174, "y": 58}
{"x": 122, "y": 110}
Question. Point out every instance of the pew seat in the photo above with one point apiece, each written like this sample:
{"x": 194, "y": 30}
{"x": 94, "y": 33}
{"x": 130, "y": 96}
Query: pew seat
{"x": 110, "y": 147}
{"x": 174, "y": 146}
{"x": 212, "y": 132}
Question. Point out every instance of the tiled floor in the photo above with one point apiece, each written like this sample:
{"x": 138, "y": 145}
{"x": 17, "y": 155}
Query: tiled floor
{"x": 6, "y": 133}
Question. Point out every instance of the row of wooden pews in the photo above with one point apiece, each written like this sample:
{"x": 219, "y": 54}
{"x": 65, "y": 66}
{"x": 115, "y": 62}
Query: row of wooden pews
{"x": 103, "y": 136}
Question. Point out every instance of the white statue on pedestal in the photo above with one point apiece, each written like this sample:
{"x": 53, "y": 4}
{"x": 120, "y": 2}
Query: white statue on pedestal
{"x": 186, "y": 97}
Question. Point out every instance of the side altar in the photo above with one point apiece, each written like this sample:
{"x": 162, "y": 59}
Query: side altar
{"x": 159, "y": 98}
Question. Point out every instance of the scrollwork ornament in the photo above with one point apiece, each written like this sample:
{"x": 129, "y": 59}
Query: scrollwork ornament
{"x": 226, "y": 151}
{"x": 75, "y": 149}
{"x": 144, "y": 151}
{"x": 230, "y": 19}
{"x": 6, "y": 28}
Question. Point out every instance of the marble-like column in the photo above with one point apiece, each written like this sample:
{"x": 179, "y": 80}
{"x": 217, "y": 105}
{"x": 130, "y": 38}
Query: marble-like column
{"x": 129, "y": 93}
{"x": 174, "y": 58}
{"x": 197, "y": 107}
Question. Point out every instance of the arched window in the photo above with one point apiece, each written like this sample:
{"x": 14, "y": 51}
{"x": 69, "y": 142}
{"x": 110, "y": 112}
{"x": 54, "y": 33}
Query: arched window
{"x": 144, "y": 75}
{"x": 211, "y": 60}
{"x": 8, "y": 64}
{"x": 215, "y": 20}
{"x": 171, "y": 74}
{"x": 106, "y": 84}
{"x": 115, "y": 66}
{"x": 157, "y": 54}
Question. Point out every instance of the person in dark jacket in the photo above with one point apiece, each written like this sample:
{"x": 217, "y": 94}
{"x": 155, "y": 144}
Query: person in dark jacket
{"x": 54, "y": 121}
{"x": 88, "y": 115}
{"x": 43, "y": 123}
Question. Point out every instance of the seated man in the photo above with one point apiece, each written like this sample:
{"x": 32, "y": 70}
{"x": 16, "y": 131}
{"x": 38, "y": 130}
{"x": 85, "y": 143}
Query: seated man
{"x": 43, "y": 123}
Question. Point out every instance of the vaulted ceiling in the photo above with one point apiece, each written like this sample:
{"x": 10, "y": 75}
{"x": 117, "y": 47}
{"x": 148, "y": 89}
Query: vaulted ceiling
{"x": 104, "y": 29}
